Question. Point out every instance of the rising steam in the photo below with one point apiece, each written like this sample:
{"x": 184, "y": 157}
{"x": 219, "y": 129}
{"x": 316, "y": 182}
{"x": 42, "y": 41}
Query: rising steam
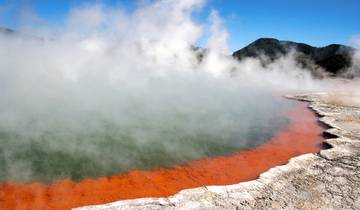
{"x": 113, "y": 90}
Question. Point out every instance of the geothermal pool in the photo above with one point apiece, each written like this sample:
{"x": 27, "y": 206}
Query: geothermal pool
{"x": 71, "y": 169}
{"x": 46, "y": 148}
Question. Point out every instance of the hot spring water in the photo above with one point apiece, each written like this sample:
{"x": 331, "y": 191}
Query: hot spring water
{"x": 49, "y": 146}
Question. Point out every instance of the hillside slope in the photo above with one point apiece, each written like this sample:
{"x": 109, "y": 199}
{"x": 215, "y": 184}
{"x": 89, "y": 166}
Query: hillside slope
{"x": 334, "y": 58}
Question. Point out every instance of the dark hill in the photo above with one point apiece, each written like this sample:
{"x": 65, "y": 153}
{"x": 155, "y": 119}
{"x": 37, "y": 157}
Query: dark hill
{"x": 12, "y": 33}
{"x": 7, "y": 31}
{"x": 334, "y": 58}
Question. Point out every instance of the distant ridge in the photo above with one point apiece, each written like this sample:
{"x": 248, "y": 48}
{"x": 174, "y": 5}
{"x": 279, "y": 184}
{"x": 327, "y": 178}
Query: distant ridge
{"x": 13, "y": 33}
{"x": 7, "y": 31}
{"x": 334, "y": 58}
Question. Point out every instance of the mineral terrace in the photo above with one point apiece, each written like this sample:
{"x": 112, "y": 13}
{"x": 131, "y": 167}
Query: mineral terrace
{"x": 328, "y": 180}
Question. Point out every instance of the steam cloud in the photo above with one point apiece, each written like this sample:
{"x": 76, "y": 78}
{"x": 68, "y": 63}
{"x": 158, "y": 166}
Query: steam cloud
{"x": 355, "y": 69}
{"x": 100, "y": 92}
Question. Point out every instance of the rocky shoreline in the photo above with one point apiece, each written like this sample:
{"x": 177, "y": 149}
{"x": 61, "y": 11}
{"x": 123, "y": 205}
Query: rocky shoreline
{"x": 327, "y": 180}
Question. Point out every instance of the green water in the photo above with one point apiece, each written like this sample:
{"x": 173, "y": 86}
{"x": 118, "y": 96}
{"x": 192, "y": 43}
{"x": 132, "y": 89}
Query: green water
{"x": 49, "y": 147}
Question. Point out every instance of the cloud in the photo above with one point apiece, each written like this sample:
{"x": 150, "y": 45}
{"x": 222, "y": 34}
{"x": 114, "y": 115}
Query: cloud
{"x": 355, "y": 41}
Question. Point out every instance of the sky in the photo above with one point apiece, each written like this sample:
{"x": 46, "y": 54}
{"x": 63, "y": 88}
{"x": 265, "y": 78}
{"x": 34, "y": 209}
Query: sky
{"x": 315, "y": 22}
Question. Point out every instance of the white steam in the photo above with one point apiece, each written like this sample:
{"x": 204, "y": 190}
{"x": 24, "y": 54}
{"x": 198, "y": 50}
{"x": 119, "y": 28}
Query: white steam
{"x": 121, "y": 81}
{"x": 355, "y": 69}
